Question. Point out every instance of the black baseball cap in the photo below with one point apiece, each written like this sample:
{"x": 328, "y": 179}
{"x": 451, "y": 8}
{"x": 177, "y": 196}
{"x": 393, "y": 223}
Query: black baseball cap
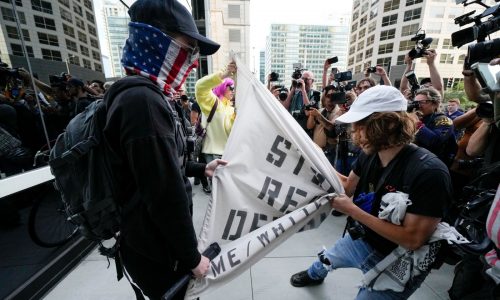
{"x": 170, "y": 15}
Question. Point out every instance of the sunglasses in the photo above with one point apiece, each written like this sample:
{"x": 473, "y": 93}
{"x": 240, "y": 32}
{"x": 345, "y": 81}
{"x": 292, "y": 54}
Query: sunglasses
{"x": 231, "y": 87}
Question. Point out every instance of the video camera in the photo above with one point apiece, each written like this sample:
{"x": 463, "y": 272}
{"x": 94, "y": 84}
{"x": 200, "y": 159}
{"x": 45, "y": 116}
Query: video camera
{"x": 274, "y": 76}
{"x": 58, "y": 81}
{"x": 297, "y": 74}
{"x": 482, "y": 51}
{"x": 415, "y": 86}
{"x": 421, "y": 45}
{"x": 338, "y": 97}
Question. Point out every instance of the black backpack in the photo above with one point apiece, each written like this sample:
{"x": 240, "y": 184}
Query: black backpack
{"x": 83, "y": 175}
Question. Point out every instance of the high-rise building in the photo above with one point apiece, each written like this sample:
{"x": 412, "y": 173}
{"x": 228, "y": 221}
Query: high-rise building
{"x": 382, "y": 30}
{"x": 228, "y": 23}
{"x": 60, "y": 36}
{"x": 262, "y": 66}
{"x": 116, "y": 21}
{"x": 309, "y": 45}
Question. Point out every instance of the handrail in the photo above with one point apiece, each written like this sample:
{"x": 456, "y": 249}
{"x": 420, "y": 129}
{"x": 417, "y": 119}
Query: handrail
{"x": 22, "y": 181}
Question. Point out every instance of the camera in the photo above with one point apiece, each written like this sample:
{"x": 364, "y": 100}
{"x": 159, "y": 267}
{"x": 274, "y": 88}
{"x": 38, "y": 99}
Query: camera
{"x": 485, "y": 110}
{"x": 343, "y": 76}
{"x": 480, "y": 30}
{"x": 412, "y": 106}
{"x": 467, "y": 164}
{"x": 421, "y": 45}
{"x": 274, "y": 76}
{"x": 283, "y": 93}
{"x": 58, "y": 81}
{"x": 332, "y": 60}
{"x": 487, "y": 75}
{"x": 355, "y": 229}
{"x": 371, "y": 70}
{"x": 412, "y": 80}
{"x": 312, "y": 104}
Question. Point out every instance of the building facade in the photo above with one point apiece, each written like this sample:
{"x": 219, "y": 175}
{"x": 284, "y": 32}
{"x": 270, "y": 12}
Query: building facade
{"x": 309, "y": 45}
{"x": 116, "y": 21}
{"x": 262, "y": 66}
{"x": 383, "y": 30}
{"x": 60, "y": 36}
{"x": 228, "y": 23}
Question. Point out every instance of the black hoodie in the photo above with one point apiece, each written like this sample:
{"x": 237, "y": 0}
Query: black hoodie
{"x": 146, "y": 153}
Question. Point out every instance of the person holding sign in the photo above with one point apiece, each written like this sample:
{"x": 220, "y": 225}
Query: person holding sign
{"x": 388, "y": 165}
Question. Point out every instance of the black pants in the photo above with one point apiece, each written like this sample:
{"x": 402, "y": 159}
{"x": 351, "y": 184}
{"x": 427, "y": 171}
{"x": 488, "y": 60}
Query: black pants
{"x": 153, "y": 278}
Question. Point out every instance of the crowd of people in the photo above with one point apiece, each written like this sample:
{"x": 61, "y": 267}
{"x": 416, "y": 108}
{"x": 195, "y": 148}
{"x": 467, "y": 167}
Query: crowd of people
{"x": 380, "y": 139}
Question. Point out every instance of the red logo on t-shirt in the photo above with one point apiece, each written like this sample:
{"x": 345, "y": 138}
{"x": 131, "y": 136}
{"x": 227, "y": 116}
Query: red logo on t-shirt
{"x": 390, "y": 188}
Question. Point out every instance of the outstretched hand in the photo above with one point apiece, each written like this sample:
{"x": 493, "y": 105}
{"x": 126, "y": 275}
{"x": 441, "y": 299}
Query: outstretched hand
{"x": 211, "y": 166}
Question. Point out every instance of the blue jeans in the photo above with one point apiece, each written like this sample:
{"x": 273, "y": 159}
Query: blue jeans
{"x": 349, "y": 253}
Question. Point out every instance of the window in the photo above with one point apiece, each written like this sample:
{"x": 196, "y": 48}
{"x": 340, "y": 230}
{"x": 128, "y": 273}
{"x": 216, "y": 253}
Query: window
{"x": 384, "y": 62}
{"x": 92, "y": 30}
{"x": 400, "y": 60}
{"x": 17, "y": 50}
{"x": 362, "y": 33}
{"x": 87, "y": 4}
{"x": 389, "y": 20}
{"x": 64, "y": 2}
{"x": 352, "y": 49}
{"x": 362, "y": 21}
{"x": 406, "y": 45}
{"x": 94, "y": 43}
{"x": 74, "y": 60}
{"x": 68, "y": 30}
{"x": 79, "y": 23}
{"x": 13, "y": 33}
{"x": 461, "y": 59}
{"x": 361, "y": 45}
{"x": 412, "y": 14}
{"x": 86, "y": 63}
{"x": 89, "y": 16}
{"x": 355, "y": 15}
{"x": 411, "y": 2}
{"x": 385, "y": 48}
{"x": 51, "y": 54}
{"x": 369, "y": 53}
{"x": 357, "y": 69}
{"x": 48, "y": 39}
{"x": 98, "y": 67}
{"x": 18, "y": 2}
{"x": 373, "y": 13}
{"x": 71, "y": 45}
{"x": 387, "y": 34}
{"x": 46, "y": 23}
{"x": 84, "y": 50}
{"x": 372, "y": 26}
{"x": 43, "y": 6}
{"x": 391, "y": 5}
{"x": 446, "y": 59}
{"x": 351, "y": 61}
{"x": 66, "y": 15}
{"x": 82, "y": 37}
{"x": 96, "y": 55}
{"x": 233, "y": 11}
{"x": 77, "y": 9}
{"x": 235, "y": 35}
{"x": 370, "y": 39}
{"x": 434, "y": 27}
{"x": 8, "y": 14}
{"x": 436, "y": 12}
{"x": 409, "y": 29}
{"x": 359, "y": 57}
{"x": 354, "y": 27}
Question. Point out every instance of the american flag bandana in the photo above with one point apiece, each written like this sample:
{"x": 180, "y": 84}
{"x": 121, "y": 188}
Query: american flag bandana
{"x": 150, "y": 53}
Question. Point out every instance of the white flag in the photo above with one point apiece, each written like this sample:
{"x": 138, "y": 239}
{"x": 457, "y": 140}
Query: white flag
{"x": 276, "y": 183}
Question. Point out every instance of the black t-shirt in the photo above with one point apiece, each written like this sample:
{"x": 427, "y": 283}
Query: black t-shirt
{"x": 428, "y": 187}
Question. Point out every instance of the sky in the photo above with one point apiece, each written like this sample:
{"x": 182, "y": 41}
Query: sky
{"x": 263, "y": 13}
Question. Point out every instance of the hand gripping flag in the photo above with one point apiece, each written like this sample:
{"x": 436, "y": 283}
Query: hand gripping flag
{"x": 277, "y": 182}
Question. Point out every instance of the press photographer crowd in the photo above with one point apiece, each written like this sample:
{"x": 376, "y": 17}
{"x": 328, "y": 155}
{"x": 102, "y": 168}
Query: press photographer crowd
{"x": 382, "y": 140}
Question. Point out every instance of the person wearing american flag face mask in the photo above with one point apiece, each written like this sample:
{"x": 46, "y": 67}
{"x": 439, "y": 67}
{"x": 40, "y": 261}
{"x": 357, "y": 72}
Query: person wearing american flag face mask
{"x": 147, "y": 146}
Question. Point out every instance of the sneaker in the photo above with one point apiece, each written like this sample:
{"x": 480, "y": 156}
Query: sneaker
{"x": 207, "y": 189}
{"x": 196, "y": 181}
{"x": 302, "y": 279}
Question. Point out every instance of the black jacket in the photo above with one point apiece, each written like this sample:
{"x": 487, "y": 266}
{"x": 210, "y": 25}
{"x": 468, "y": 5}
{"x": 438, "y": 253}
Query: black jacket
{"x": 147, "y": 146}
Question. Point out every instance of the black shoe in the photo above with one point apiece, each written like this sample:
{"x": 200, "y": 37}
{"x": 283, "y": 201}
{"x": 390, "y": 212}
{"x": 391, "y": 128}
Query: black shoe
{"x": 302, "y": 279}
{"x": 207, "y": 189}
{"x": 196, "y": 181}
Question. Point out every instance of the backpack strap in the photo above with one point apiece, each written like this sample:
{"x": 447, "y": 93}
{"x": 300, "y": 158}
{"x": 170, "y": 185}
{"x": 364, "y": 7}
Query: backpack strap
{"x": 212, "y": 112}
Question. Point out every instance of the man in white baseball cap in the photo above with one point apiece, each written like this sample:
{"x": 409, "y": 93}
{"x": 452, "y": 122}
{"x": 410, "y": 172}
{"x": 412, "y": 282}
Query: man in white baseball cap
{"x": 389, "y": 164}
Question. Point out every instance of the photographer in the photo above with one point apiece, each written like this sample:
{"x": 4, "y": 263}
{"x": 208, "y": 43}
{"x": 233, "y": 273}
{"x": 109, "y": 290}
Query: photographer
{"x": 321, "y": 122}
{"x": 301, "y": 95}
{"x": 388, "y": 164}
{"x": 79, "y": 95}
{"x": 364, "y": 84}
{"x": 435, "y": 131}
{"x": 380, "y": 71}
{"x": 435, "y": 78}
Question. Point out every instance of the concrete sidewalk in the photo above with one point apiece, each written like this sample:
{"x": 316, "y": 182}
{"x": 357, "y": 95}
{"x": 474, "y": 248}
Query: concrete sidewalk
{"x": 268, "y": 279}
